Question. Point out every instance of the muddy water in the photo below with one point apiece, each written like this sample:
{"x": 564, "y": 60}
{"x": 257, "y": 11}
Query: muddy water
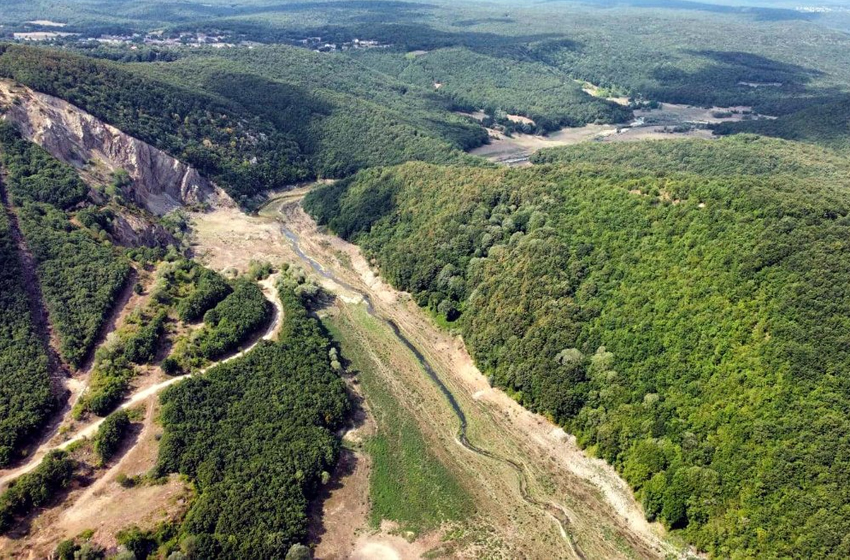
{"x": 552, "y": 510}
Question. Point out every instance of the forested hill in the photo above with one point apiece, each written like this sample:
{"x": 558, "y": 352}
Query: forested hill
{"x": 217, "y": 138}
{"x": 745, "y": 154}
{"x": 343, "y": 115}
{"x": 255, "y": 122}
{"x": 549, "y": 97}
{"x": 822, "y": 122}
{"x": 691, "y": 329}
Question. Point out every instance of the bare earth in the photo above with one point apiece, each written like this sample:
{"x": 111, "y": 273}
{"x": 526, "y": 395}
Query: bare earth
{"x": 649, "y": 125}
{"x": 604, "y": 519}
{"x": 102, "y": 504}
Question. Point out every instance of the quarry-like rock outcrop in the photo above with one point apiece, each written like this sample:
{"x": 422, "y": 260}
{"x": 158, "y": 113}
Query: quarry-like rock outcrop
{"x": 160, "y": 183}
{"x": 131, "y": 230}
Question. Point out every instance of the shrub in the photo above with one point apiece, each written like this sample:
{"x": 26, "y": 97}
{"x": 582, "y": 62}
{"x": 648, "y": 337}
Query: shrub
{"x": 36, "y": 488}
{"x": 111, "y": 433}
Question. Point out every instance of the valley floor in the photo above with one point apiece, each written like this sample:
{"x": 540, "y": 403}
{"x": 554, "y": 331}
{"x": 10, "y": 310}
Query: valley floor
{"x": 535, "y": 494}
{"x": 670, "y": 121}
{"x": 603, "y": 520}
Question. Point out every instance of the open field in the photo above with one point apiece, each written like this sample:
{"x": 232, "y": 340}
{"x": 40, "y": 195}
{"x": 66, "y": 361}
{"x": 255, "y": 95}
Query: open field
{"x": 657, "y": 124}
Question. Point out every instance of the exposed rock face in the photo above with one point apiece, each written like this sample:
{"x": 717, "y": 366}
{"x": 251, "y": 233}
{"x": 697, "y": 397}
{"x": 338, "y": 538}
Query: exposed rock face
{"x": 130, "y": 230}
{"x": 160, "y": 182}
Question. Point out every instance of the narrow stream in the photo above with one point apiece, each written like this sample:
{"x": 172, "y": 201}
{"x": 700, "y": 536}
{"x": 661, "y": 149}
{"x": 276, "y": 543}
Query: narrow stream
{"x": 552, "y": 510}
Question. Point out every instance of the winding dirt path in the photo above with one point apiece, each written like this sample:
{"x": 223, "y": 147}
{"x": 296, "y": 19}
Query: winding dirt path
{"x": 269, "y": 290}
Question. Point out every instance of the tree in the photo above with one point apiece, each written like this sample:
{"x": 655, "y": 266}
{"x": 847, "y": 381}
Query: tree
{"x": 299, "y": 552}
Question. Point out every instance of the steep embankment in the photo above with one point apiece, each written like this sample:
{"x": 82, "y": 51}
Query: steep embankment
{"x": 159, "y": 182}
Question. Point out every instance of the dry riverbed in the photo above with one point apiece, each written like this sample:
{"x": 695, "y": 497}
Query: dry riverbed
{"x": 604, "y": 519}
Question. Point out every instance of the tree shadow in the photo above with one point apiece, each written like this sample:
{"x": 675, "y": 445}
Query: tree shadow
{"x": 84, "y": 476}
{"x": 757, "y": 13}
{"x": 735, "y": 78}
{"x": 291, "y": 109}
{"x": 130, "y": 440}
{"x": 346, "y": 466}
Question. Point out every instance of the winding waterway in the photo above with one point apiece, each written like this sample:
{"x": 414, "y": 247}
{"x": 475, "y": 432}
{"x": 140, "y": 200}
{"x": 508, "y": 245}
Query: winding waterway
{"x": 552, "y": 510}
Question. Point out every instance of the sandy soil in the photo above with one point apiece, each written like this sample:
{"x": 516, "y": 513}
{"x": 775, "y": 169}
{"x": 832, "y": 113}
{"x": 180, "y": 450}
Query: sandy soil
{"x": 520, "y": 119}
{"x": 227, "y": 238}
{"x": 550, "y": 438}
{"x": 99, "y": 503}
{"x": 46, "y": 23}
{"x": 604, "y": 519}
{"x": 519, "y": 147}
{"x": 41, "y": 35}
{"x": 385, "y": 545}
{"x": 341, "y": 512}
{"x": 102, "y": 504}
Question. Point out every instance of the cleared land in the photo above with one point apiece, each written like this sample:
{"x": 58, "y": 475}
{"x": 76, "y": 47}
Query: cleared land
{"x": 408, "y": 432}
{"x": 101, "y": 504}
{"x": 670, "y": 121}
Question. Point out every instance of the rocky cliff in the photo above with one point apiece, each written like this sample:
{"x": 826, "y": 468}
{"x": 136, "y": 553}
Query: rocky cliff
{"x": 160, "y": 183}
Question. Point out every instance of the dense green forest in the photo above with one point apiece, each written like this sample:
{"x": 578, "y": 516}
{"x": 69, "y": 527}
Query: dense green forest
{"x": 256, "y": 434}
{"x": 115, "y": 361}
{"x": 253, "y": 122}
{"x": 184, "y": 291}
{"x": 270, "y": 114}
{"x": 227, "y": 325}
{"x": 688, "y": 327}
{"x": 343, "y": 115}
{"x": 208, "y": 289}
{"x": 679, "y": 306}
{"x": 26, "y": 398}
{"x": 745, "y": 154}
{"x": 824, "y": 122}
{"x": 110, "y": 435}
{"x": 233, "y": 320}
{"x": 475, "y": 81}
{"x": 80, "y": 276}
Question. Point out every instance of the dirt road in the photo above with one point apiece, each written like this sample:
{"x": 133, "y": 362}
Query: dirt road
{"x": 89, "y": 429}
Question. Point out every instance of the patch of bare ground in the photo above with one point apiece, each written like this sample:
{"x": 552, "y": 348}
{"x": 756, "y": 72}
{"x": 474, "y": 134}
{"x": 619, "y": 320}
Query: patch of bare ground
{"x": 520, "y": 119}
{"x": 227, "y": 238}
{"x": 387, "y": 544}
{"x": 68, "y": 388}
{"x": 669, "y": 122}
{"x": 341, "y": 511}
{"x": 61, "y": 430}
{"x": 595, "y": 91}
{"x": 150, "y": 382}
{"x": 98, "y": 503}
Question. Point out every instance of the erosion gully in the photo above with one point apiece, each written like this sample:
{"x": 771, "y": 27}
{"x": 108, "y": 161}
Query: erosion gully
{"x": 552, "y": 510}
